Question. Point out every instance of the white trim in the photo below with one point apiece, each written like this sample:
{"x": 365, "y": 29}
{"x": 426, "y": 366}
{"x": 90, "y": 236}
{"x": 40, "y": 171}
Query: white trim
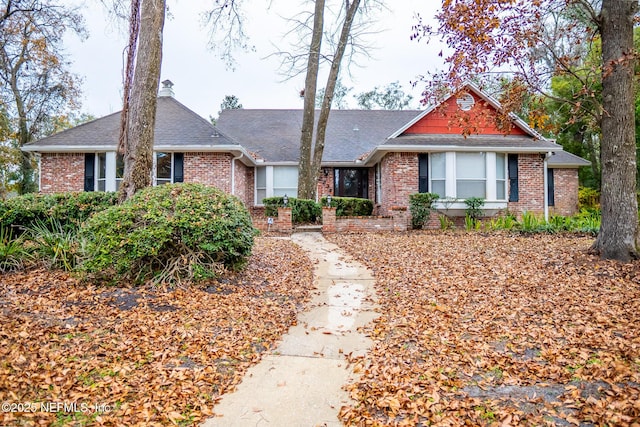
{"x": 490, "y": 176}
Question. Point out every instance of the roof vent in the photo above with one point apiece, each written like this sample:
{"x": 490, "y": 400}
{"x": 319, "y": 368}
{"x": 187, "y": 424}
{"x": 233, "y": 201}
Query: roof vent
{"x": 356, "y": 128}
{"x": 167, "y": 89}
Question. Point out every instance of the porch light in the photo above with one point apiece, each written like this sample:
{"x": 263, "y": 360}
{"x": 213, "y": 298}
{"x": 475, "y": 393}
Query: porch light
{"x": 329, "y": 201}
{"x": 285, "y": 200}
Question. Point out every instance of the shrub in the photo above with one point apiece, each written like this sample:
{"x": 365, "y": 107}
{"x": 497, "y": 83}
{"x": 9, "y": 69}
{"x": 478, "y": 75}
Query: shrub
{"x": 420, "y": 205}
{"x": 302, "y": 210}
{"x": 69, "y": 209}
{"x": 588, "y": 198}
{"x": 167, "y": 234}
{"x": 350, "y": 206}
{"x": 55, "y": 245}
{"x": 474, "y": 207}
{"x": 12, "y": 251}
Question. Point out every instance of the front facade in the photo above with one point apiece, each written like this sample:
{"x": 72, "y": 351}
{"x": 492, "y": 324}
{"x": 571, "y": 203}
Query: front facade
{"x": 454, "y": 149}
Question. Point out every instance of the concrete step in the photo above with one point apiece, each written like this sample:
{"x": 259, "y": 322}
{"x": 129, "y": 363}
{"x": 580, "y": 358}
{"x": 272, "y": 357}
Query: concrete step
{"x": 307, "y": 228}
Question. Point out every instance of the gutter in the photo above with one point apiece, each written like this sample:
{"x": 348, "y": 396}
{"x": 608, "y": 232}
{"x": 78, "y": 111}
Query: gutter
{"x": 546, "y": 185}
{"x": 233, "y": 173}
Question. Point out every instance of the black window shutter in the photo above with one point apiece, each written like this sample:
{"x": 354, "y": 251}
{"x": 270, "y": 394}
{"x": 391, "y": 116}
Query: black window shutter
{"x": 178, "y": 167}
{"x": 551, "y": 200}
{"x": 513, "y": 178}
{"x": 89, "y": 172}
{"x": 423, "y": 173}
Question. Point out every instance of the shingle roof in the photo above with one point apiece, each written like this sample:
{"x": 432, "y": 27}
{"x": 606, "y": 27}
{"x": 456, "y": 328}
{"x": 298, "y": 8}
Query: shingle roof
{"x": 176, "y": 125}
{"x": 565, "y": 159}
{"x": 275, "y": 134}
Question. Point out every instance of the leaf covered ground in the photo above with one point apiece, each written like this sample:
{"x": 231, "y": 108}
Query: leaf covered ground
{"x": 497, "y": 329}
{"x": 140, "y": 356}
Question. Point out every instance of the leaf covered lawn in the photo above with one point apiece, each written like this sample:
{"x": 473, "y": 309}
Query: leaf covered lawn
{"x": 497, "y": 329}
{"x": 145, "y": 356}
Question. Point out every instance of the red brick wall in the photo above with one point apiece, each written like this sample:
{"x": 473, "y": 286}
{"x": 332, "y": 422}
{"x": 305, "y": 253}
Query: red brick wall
{"x": 61, "y": 172}
{"x": 325, "y": 183}
{"x": 565, "y": 183}
{"x": 242, "y": 183}
{"x": 209, "y": 168}
{"x": 399, "y": 180}
{"x": 530, "y": 185}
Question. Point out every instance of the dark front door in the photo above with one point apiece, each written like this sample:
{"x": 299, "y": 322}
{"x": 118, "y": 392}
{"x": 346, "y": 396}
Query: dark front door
{"x": 351, "y": 182}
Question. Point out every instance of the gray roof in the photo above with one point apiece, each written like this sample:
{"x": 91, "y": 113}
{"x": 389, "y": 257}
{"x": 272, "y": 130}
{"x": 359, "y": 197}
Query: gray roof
{"x": 566, "y": 160}
{"x": 176, "y": 125}
{"x": 274, "y": 135}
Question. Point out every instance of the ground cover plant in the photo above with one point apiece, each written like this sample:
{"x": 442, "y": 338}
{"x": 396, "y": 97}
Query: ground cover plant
{"x": 145, "y": 355}
{"x": 497, "y": 329}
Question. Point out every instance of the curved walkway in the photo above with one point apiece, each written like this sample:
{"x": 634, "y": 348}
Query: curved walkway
{"x": 300, "y": 382}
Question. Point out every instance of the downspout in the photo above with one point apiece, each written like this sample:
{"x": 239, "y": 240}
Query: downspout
{"x": 233, "y": 173}
{"x": 546, "y": 185}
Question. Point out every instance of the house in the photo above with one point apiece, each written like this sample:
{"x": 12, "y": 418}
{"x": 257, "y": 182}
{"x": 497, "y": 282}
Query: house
{"x": 454, "y": 149}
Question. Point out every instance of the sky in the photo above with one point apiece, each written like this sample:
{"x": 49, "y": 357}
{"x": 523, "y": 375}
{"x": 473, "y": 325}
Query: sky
{"x": 202, "y": 79}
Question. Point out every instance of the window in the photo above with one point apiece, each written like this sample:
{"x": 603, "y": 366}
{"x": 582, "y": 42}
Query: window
{"x": 271, "y": 181}
{"x": 164, "y": 168}
{"x": 462, "y": 175}
{"x": 350, "y": 182}
{"x": 102, "y": 172}
{"x": 471, "y": 175}
{"x": 285, "y": 181}
{"x": 119, "y": 169}
{"x": 438, "y": 174}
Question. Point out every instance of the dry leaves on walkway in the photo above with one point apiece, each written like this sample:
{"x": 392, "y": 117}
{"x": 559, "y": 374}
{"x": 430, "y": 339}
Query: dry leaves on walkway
{"x": 143, "y": 356}
{"x": 500, "y": 329}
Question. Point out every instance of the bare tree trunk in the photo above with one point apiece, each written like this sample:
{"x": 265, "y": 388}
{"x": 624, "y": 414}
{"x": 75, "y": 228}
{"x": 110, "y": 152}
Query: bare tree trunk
{"x": 138, "y": 142}
{"x": 618, "y": 238}
{"x": 306, "y": 186}
{"x": 332, "y": 79}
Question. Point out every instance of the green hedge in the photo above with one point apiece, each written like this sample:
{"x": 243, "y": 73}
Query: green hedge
{"x": 420, "y": 206}
{"x": 350, "y": 206}
{"x": 302, "y": 210}
{"x": 167, "y": 234}
{"x": 69, "y": 209}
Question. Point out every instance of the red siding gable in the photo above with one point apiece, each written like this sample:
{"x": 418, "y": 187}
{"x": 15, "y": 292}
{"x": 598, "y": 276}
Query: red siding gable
{"x": 448, "y": 118}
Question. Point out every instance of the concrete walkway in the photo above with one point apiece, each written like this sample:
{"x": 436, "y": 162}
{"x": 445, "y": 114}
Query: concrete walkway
{"x": 300, "y": 382}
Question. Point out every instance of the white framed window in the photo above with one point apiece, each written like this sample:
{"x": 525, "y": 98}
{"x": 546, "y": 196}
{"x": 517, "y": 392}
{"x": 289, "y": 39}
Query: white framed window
{"x": 461, "y": 175}
{"x": 471, "y": 175}
{"x": 101, "y": 172}
{"x": 273, "y": 181}
{"x": 163, "y": 166}
{"x": 119, "y": 170}
{"x": 438, "y": 172}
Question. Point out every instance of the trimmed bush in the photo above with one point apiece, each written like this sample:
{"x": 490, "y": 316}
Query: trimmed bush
{"x": 168, "y": 234}
{"x": 420, "y": 206}
{"x": 302, "y": 210}
{"x": 69, "y": 209}
{"x": 350, "y": 206}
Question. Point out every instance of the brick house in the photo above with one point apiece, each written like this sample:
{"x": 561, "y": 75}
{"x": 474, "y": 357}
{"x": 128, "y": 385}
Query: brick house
{"x": 377, "y": 154}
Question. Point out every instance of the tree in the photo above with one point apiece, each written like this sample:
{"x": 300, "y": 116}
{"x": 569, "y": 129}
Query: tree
{"x": 36, "y": 83}
{"x": 230, "y": 102}
{"x": 141, "y": 94}
{"x": 494, "y": 35}
{"x": 339, "y": 96}
{"x": 391, "y": 97}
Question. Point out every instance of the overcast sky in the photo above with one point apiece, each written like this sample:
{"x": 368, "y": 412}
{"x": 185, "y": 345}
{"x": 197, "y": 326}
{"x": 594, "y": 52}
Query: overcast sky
{"x": 202, "y": 80}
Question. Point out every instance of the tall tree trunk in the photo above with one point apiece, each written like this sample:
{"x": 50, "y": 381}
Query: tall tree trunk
{"x": 306, "y": 183}
{"x": 330, "y": 88}
{"x": 141, "y": 117}
{"x": 618, "y": 238}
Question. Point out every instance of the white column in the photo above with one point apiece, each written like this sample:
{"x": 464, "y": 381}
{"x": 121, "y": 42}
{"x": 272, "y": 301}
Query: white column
{"x": 450, "y": 168}
{"x": 491, "y": 176}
